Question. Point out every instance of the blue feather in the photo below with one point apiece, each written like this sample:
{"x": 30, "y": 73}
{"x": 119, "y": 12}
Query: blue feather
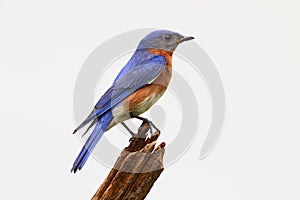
{"x": 142, "y": 71}
{"x": 127, "y": 82}
{"x": 93, "y": 139}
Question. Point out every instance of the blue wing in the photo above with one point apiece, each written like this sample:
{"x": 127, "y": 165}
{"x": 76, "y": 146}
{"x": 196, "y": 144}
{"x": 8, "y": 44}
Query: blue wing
{"x": 136, "y": 77}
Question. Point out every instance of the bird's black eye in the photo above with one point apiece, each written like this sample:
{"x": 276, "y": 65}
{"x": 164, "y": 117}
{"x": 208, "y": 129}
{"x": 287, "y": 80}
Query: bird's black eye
{"x": 167, "y": 37}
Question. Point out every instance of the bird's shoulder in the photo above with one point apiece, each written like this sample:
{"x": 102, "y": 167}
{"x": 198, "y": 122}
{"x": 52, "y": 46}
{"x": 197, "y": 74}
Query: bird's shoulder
{"x": 142, "y": 68}
{"x": 167, "y": 55}
{"x": 139, "y": 60}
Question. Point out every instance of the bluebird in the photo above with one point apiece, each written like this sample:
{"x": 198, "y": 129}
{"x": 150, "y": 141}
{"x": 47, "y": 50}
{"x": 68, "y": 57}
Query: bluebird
{"x": 141, "y": 82}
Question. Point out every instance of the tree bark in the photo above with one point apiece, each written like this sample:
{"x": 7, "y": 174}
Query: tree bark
{"x": 136, "y": 169}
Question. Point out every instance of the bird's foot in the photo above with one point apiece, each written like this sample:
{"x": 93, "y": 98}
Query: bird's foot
{"x": 131, "y": 139}
{"x": 151, "y": 124}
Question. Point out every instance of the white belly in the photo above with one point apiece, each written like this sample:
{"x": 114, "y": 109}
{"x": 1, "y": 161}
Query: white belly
{"x": 122, "y": 111}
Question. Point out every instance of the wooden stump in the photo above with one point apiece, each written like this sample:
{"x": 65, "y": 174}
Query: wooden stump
{"x": 136, "y": 169}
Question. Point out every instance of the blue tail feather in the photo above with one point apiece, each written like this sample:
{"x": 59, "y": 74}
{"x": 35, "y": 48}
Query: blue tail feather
{"x": 90, "y": 144}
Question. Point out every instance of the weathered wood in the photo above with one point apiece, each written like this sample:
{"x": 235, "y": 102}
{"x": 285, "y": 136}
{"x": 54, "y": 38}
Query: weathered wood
{"x": 136, "y": 169}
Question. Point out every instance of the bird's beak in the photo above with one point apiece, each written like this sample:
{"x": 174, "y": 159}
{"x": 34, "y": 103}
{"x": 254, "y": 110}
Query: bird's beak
{"x": 186, "y": 39}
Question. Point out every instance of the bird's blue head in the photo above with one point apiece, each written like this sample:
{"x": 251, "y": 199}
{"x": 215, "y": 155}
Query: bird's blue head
{"x": 162, "y": 40}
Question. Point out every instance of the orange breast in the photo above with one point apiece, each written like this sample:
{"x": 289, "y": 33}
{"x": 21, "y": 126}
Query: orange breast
{"x": 141, "y": 100}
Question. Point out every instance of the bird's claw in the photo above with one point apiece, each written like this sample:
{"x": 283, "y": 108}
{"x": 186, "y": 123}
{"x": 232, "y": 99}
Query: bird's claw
{"x": 131, "y": 139}
{"x": 151, "y": 126}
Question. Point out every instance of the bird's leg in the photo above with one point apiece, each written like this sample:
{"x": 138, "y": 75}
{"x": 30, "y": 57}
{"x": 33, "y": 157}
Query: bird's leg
{"x": 128, "y": 129}
{"x": 148, "y": 121}
{"x": 144, "y": 120}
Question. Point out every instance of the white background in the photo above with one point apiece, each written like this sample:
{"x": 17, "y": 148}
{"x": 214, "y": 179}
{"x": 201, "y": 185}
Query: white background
{"x": 254, "y": 44}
